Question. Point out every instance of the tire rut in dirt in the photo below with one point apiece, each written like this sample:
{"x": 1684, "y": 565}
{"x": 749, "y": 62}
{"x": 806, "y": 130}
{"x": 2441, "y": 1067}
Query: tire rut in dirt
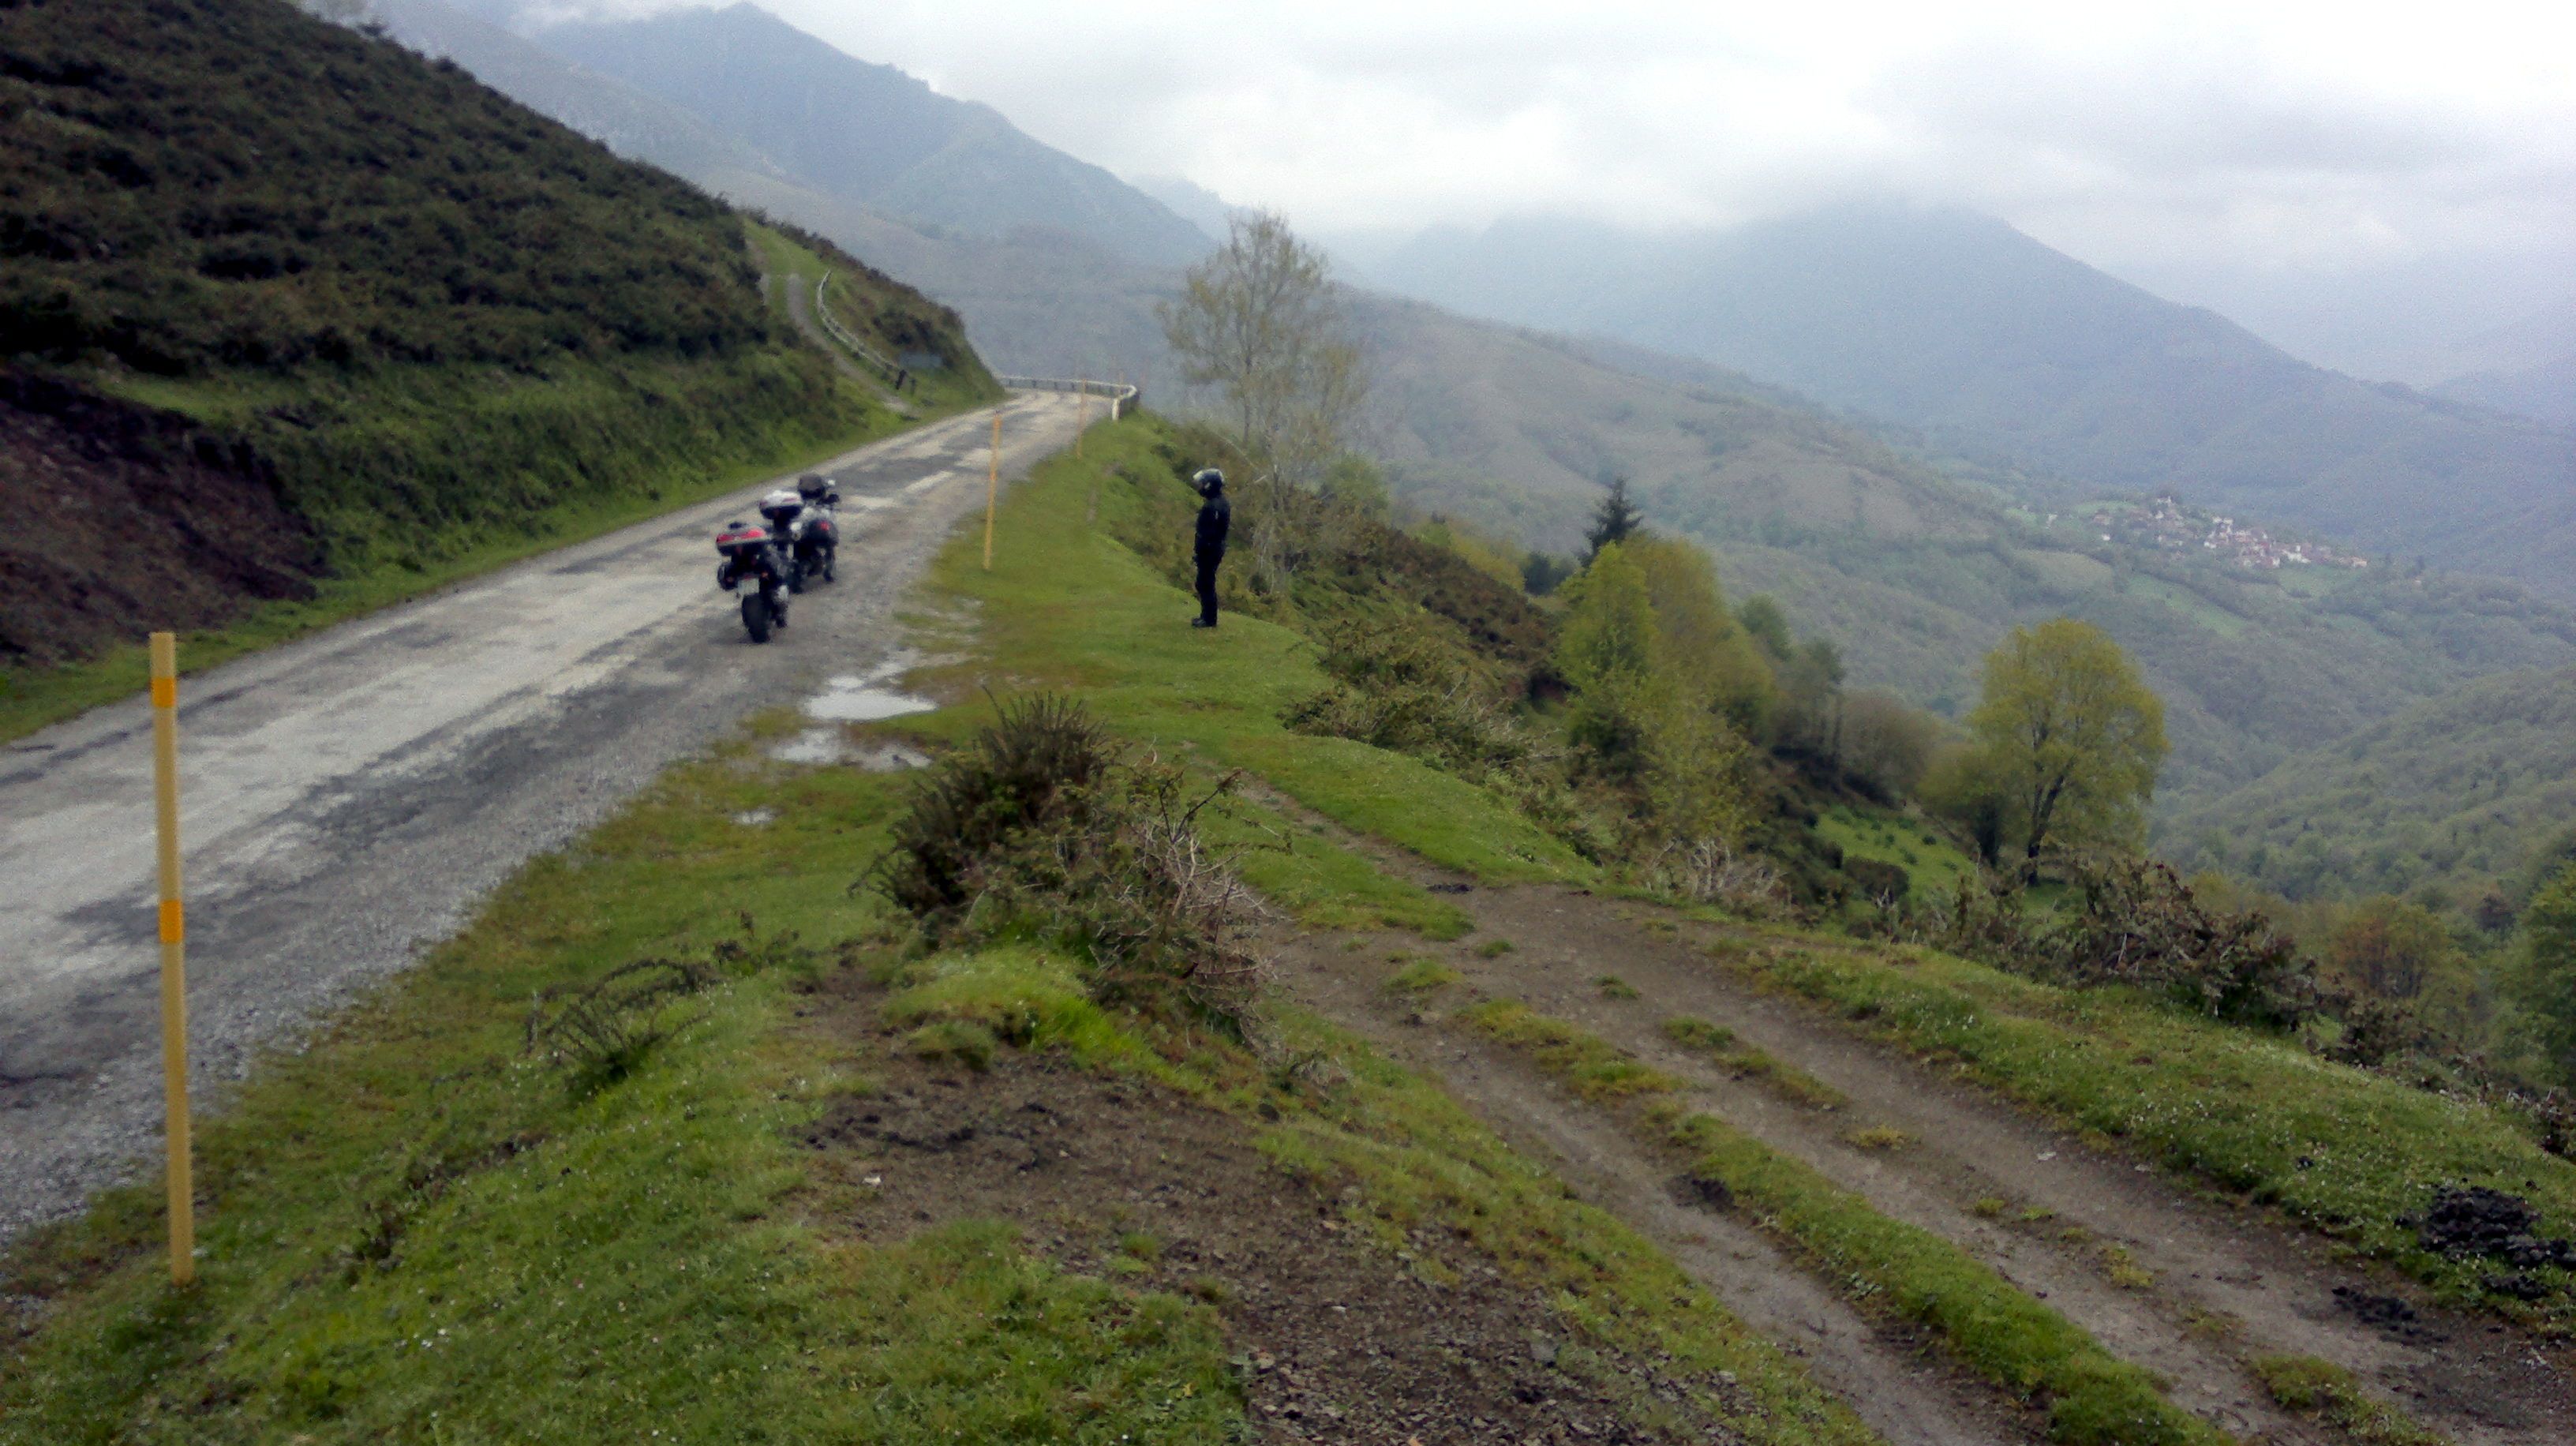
{"x": 1881, "y": 1370}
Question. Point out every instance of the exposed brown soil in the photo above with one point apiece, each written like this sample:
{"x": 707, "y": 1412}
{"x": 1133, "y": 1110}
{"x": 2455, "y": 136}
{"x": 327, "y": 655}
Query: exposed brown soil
{"x": 2220, "y": 1284}
{"x": 116, "y": 520}
{"x": 1339, "y": 1340}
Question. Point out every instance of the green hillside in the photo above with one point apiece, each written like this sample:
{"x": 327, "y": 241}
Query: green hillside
{"x": 1914, "y": 571}
{"x": 319, "y": 323}
{"x": 1993, "y": 343}
{"x": 2449, "y": 798}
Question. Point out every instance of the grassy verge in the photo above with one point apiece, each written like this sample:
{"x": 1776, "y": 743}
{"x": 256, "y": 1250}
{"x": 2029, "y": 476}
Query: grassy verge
{"x": 1065, "y": 605}
{"x": 1981, "y": 1320}
{"x": 2338, "y": 1150}
{"x": 499, "y": 470}
{"x": 417, "y": 1230}
{"x": 1746, "y": 1062}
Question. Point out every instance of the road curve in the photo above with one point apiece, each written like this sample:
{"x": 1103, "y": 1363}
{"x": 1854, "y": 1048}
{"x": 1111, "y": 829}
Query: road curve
{"x": 348, "y": 798}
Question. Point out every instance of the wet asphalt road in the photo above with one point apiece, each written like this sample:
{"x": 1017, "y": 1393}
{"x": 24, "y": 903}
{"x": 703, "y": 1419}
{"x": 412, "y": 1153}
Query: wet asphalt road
{"x": 348, "y": 798}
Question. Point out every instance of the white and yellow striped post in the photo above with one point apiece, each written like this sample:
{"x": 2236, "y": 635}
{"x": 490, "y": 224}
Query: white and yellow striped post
{"x": 992, "y": 488}
{"x": 174, "y": 956}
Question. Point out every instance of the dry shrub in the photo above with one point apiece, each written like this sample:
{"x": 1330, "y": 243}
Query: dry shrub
{"x": 1044, "y": 828}
{"x": 601, "y": 1031}
{"x": 1714, "y": 871}
{"x": 2139, "y": 924}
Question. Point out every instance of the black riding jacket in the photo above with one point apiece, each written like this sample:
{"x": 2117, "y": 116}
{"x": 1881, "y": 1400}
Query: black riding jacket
{"x": 1216, "y": 515}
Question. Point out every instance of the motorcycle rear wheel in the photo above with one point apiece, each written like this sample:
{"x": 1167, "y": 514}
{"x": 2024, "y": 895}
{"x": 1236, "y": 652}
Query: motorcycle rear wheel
{"x": 755, "y": 617}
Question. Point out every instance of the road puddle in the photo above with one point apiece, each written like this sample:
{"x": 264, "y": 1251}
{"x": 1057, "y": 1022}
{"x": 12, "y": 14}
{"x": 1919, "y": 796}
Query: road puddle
{"x": 864, "y": 697}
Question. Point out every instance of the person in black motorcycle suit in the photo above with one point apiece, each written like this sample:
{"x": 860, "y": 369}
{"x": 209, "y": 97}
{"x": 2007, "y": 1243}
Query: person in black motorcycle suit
{"x": 756, "y": 560}
{"x": 1216, "y": 518}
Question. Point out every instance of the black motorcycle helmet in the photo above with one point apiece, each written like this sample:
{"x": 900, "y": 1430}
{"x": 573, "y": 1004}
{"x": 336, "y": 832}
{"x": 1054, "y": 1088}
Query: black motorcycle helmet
{"x": 1209, "y": 481}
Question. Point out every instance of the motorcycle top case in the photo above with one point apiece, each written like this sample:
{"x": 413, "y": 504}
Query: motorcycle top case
{"x": 734, "y": 541}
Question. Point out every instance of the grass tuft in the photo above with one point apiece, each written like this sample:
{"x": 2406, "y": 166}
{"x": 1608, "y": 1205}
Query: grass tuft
{"x": 2325, "y": 1392}
{"x": 1597, "y": 1069}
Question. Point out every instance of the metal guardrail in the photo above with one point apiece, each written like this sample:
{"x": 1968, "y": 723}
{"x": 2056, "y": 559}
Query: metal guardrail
{"x": 1121, "y": 395}
{"x": 893, "y": 371}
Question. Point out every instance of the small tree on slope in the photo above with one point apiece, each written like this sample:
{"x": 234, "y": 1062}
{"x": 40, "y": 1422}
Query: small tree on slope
{"x": 2070, "y": 736}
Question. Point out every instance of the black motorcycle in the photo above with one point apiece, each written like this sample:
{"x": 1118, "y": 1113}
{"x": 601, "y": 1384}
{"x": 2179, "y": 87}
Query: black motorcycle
{"x": 751, "y": 556}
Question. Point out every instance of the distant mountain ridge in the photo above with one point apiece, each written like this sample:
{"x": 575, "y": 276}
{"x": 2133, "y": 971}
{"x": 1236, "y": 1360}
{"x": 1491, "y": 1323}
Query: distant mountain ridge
{"x": 864, "y": 132}
{"x": 1990, "y": 342}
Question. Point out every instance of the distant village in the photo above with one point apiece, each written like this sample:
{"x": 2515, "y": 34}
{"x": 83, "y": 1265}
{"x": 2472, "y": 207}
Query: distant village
{"x": 2164, "y": 522}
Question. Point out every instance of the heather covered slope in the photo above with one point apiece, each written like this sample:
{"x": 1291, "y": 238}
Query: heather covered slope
{"x": 326, "y": 322}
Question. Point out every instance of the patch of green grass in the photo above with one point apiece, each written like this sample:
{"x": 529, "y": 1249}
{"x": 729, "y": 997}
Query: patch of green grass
{"x": 1747, "y": 1062}
{"x": 2123, "y": 1270}
{"x": 1066, "y": 605}
{"x": 1595, "y": 1068}
{"x": 1933, "y": 865}
{"x": 1018, "y": 995}
{"x": 1493, "y": 948}
{"x": 1321, "y": 883}
{"x": 1422, "y": 976}
{"x": 2325, "y": 1392}
{"x": 2341, "y": 1151}
{"x": 412, "y": 1230}
{"x": 1614, "y": 987}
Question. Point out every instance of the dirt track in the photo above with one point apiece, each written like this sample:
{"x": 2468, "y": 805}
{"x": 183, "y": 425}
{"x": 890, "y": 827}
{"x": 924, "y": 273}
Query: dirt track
{"x": 2226, "y": 1285}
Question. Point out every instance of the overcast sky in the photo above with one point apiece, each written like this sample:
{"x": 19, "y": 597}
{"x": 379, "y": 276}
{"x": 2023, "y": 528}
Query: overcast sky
{"x": 2242, "y": 155}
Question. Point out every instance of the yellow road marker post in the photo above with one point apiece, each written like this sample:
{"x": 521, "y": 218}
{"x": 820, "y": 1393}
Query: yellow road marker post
{"x": 992, "y": 488}
{"x": 174, "y": 956}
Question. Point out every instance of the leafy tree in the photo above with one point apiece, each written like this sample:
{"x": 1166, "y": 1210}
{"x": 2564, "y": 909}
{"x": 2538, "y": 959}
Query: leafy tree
{"x": 1542, "y": 573}
{"x": 2548, "y": 977}
{"x": 1714, "y": 662}
{"x": 1609, "y": 651}
{"x": 2391, "y": 947}
{"x": 2069, "y": 736}
{"x": 1887, "y": 744}
{"x": 1762, "y": 617}
{"x": 1261, "y": 321}
{"x": 1632, "y": 715}
{"x": 1615, "y": 520}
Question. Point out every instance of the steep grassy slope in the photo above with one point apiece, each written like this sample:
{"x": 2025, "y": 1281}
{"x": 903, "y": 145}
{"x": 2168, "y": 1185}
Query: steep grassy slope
{"x": 381, "y": 324}
{"x": 2452, "y": 796}
{"x": 1960, "y": 325}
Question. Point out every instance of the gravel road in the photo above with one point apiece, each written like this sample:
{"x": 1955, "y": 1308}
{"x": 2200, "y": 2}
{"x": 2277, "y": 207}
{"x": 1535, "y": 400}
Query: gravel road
{"x": 347, "y": 799}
